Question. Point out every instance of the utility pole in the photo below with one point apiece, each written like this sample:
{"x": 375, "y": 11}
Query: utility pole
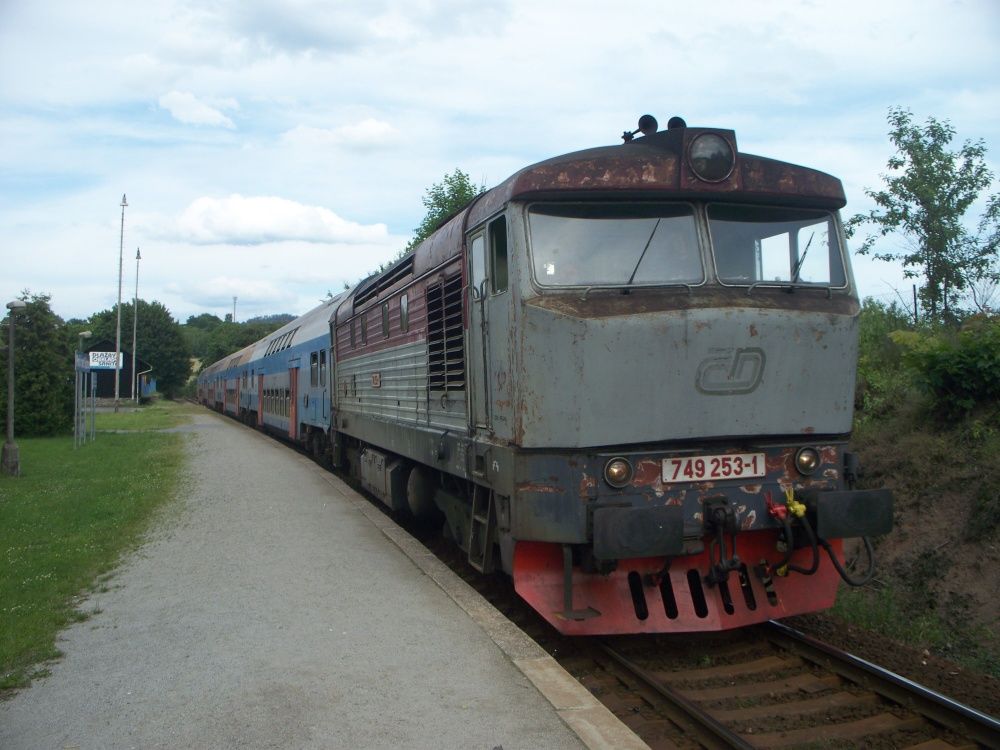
{"x": 118, "y": 326}
{"x": 11, "y": 463}
{"x": 135, "y": 325}
{"x": 234, "y": 309}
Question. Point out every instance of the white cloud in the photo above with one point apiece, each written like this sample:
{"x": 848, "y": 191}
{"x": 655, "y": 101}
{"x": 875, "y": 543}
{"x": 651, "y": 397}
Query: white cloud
{"x": 218, "y": 292}
{"x": 256, "y": 220}
{"x": 187, "y": 108}
{"x": 368, "y": 133}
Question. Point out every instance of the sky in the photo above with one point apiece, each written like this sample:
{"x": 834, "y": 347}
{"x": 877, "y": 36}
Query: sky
{"x": 276, "y": 151}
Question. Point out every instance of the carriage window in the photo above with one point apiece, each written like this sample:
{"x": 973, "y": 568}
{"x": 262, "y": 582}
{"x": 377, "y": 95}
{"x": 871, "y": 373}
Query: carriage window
{"x": 756, "y": 244}
{"x": 498, "y": 255}
{"x": 314, "y": 369}
{"x": 614, "y": 244}
{"x": 404, "y": 314}
{"x": 322, "y": 368}
{"x": 353, "y": 344}
{"x": 385, "y": 320}
{"x": 364, "y": 329}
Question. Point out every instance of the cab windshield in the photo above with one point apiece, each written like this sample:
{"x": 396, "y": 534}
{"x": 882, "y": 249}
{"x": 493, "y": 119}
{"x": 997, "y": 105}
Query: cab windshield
{"x": 603, "y": 244}
{"x": 764, "y": 245}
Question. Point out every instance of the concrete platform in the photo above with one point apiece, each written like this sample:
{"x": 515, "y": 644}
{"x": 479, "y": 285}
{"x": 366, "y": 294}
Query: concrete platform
{"x": 273, "y": 607}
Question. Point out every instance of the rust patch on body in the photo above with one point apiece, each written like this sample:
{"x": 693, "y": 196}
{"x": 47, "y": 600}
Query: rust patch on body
{"x": 647, "y": 473}
{"x": 547, "y": 489}
{"x": 605, "y": 303}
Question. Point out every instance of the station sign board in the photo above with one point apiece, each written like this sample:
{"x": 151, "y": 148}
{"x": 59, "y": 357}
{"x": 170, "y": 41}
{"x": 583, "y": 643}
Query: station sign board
{"x": 105, "y": 361}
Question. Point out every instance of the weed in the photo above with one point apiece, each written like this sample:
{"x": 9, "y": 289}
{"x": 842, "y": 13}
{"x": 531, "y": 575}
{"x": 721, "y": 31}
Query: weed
{"x": 944, "y": 629}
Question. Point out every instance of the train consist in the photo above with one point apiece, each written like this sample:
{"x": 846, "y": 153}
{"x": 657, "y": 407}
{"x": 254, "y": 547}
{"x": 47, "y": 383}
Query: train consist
{"x": 624, "y": 376}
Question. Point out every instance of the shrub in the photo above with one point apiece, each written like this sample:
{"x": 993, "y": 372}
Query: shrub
{"x": 959, "y": 371}
{"x": 881, "y": 383}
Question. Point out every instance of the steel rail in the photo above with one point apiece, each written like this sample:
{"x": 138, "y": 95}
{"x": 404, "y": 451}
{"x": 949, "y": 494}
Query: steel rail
{"x": 689, "y": 715}
{"x": 940, "y": 709}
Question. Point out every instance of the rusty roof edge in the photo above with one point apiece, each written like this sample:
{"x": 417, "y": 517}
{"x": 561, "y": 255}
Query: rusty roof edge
{"x": 647, "y": 167}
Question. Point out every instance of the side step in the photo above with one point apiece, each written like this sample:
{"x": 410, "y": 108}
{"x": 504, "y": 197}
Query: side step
{"x": 482, "y": 530}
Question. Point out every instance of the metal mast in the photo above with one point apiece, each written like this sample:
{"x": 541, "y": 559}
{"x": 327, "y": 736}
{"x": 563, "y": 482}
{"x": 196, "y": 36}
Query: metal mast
{"x": 118, "y": 326}
{"x": 135, "y": 326}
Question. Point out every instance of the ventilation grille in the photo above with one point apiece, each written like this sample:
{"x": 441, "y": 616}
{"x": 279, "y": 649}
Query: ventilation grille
{"x": 445, "y": 340}
{"x": 372, "y": 287}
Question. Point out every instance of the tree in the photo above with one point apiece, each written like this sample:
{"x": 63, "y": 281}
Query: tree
{"x": 927, "y": 193}
{"x": 442, "y": 200}
{"x": 205, "y": 321}
{"x": 43, "y": 367}
{"x": 231, "y": 337}
{"x": 159, "y": 342}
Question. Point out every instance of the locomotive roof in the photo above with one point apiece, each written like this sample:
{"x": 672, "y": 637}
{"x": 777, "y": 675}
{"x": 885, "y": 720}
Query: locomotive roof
{"x": 650, "y": 167}
{"x": 654, "y": 164}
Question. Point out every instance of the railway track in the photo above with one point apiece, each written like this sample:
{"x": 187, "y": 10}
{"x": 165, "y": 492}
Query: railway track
{"x": 772, "y": 687}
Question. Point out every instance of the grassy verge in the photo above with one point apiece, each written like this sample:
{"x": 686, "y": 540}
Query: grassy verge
{"x": 890, "y": 612}
{"x": 65, "y": 522}
{"x": 158, "y": 415}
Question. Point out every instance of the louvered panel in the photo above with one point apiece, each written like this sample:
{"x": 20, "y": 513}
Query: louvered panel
{"x": 402, "y": 374}
{"x": 445, "y": 335}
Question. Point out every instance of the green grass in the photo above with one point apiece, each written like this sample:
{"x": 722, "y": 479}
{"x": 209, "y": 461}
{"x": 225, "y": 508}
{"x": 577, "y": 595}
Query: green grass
{"x": 158, "y": 415}
{"x": 64, "y": 524}
{"x": 892, "y": 612}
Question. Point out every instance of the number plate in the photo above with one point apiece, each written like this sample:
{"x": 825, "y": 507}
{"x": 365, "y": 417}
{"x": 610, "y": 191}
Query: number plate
{"x": 706, "y": 468}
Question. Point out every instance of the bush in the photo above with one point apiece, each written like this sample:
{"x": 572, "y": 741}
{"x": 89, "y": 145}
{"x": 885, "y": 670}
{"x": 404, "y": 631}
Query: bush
{"x": 959, "y": 371}
{"x": 881, "y": 383}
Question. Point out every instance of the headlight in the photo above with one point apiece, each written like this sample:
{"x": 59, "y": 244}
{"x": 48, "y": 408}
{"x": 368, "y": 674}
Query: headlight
{"x": 618, "y": 472}
{"x": 806, "y": 460}
{"x": 711, "y": 157}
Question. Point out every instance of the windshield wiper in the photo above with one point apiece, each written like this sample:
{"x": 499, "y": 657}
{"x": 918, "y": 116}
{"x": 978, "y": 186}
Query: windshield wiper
{"x": 802, "y": 259}
{"x": 643, "y": 255}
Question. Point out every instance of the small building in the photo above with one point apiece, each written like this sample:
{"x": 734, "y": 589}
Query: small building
{"x": 106, "y": 377}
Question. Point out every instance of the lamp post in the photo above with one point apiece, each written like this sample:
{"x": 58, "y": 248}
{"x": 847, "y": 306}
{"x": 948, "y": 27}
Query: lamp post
{"x": 11, "y": 461}
{"x": 135, "y": 323}
{"x": 118, "y": 326}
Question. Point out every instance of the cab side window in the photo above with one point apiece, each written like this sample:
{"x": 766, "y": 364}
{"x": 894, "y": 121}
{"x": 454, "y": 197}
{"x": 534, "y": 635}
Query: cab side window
{"x": 498, "y": 255}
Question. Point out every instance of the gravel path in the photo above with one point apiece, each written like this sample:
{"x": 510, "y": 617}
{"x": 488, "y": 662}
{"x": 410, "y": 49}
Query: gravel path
{"x": 267, "y": 612}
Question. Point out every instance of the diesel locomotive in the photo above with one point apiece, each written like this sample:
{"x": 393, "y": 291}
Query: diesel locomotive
{"x": 624, "y": 376}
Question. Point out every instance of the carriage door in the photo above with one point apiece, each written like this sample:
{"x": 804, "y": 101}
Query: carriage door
{"x": 260, "y": 400}
{"x": 478, "y": 336}
{"x": 293, "y": 397}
